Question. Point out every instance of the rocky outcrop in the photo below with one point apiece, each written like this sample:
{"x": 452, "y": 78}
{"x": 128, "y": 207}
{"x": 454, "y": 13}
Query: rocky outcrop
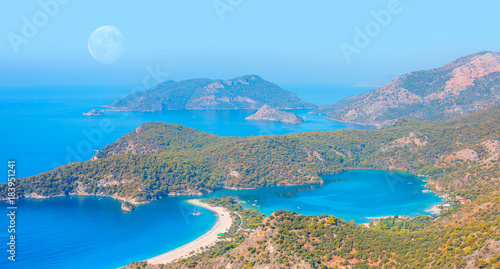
{"x": 271, "y": 114}
{"x": 466, "y": 85}
{"x": 127, "y": 207}
{"x": 94, "y": 113}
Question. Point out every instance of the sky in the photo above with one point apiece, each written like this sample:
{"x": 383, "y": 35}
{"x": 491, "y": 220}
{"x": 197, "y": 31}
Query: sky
{"x": 284, "y": 41}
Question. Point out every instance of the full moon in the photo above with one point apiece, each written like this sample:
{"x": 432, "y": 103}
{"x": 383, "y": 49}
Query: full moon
{"x": 106, "y": 44}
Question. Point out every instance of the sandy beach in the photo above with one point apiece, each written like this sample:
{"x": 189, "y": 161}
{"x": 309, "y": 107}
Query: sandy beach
{"x": 222, "y": 225}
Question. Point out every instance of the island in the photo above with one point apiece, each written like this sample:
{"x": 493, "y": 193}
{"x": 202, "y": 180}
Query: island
{"x": 271, "y": 114}
{"x": 127, "y": 207}
{"x": 246, "y": 92}
{"x": 94, "y": 113}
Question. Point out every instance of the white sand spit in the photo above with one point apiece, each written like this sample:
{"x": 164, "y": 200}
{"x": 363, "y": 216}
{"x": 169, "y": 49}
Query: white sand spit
{"x": 223, "y": 224}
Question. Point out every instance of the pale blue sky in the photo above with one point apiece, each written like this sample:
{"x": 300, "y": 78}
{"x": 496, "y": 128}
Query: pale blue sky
{"x": 283, "y": 41}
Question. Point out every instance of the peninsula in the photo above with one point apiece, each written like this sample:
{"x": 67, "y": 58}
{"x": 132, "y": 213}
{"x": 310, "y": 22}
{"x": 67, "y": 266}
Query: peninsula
{"x": 271, "y": 114}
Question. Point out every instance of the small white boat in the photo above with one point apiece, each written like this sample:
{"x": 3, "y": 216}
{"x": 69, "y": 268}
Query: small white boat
{"x": 196, "y": 213}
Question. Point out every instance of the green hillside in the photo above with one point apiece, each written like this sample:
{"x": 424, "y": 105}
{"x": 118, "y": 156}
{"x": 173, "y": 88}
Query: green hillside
{"x": 159, "y": 159}
{"x": 247, "y": 92}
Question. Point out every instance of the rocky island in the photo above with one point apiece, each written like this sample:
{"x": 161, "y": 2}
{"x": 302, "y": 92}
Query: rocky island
{"x": 94, "y": 113}
{"x": 247, "y": 92}
{"x": 127, "y": 207}
{"x": 271, "y": 114}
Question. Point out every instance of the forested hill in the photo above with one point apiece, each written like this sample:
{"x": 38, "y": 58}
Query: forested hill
{"x": 247, "y": 92}
{"x": 156, "y": 137}
{"x": 159, "y": 159}
{"x": 463, "y": 86}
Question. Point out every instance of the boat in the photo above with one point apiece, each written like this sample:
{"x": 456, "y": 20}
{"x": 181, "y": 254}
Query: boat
{"x": 196, "y": 213}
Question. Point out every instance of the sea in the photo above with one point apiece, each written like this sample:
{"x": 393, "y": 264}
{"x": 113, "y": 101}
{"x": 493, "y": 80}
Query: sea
{"x": 43, "y": 128}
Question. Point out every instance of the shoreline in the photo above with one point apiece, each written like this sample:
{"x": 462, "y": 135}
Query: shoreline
{"x": 427, "y": 180}
{"x": 224, "y": 222}
{"x": 368, "y": 126}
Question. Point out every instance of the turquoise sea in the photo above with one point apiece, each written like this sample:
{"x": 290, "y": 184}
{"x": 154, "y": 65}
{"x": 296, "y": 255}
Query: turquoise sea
{"x": 43, "y": 128}
{"x": 93, "y": 232}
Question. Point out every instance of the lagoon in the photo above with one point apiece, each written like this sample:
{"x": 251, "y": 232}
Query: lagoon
{"x": 353, "y": 195}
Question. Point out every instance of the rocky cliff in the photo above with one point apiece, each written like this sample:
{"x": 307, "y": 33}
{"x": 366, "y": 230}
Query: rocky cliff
{"x": 463, "y": 86}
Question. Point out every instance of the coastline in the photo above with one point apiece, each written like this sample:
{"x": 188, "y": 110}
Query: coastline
{"x": 368, "y": 126}
{"x": 224, "y": 222}
{"x": 199, "y": 194}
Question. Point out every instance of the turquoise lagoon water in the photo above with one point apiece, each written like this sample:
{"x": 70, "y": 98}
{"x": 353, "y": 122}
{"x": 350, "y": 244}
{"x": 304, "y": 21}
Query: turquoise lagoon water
{"x": 352, "y": 195}
{"x": 43, "y": 128}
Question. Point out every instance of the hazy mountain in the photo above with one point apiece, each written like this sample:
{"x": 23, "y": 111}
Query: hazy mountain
{"x": 247, "y": 92}
{"x": 377, "y": 83}
{"x": 463, "y": 86}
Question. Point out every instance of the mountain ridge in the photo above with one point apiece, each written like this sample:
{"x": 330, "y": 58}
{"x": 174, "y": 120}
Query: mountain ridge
{"x": 466, "y": 85}
{"x": 245, "y": 92}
